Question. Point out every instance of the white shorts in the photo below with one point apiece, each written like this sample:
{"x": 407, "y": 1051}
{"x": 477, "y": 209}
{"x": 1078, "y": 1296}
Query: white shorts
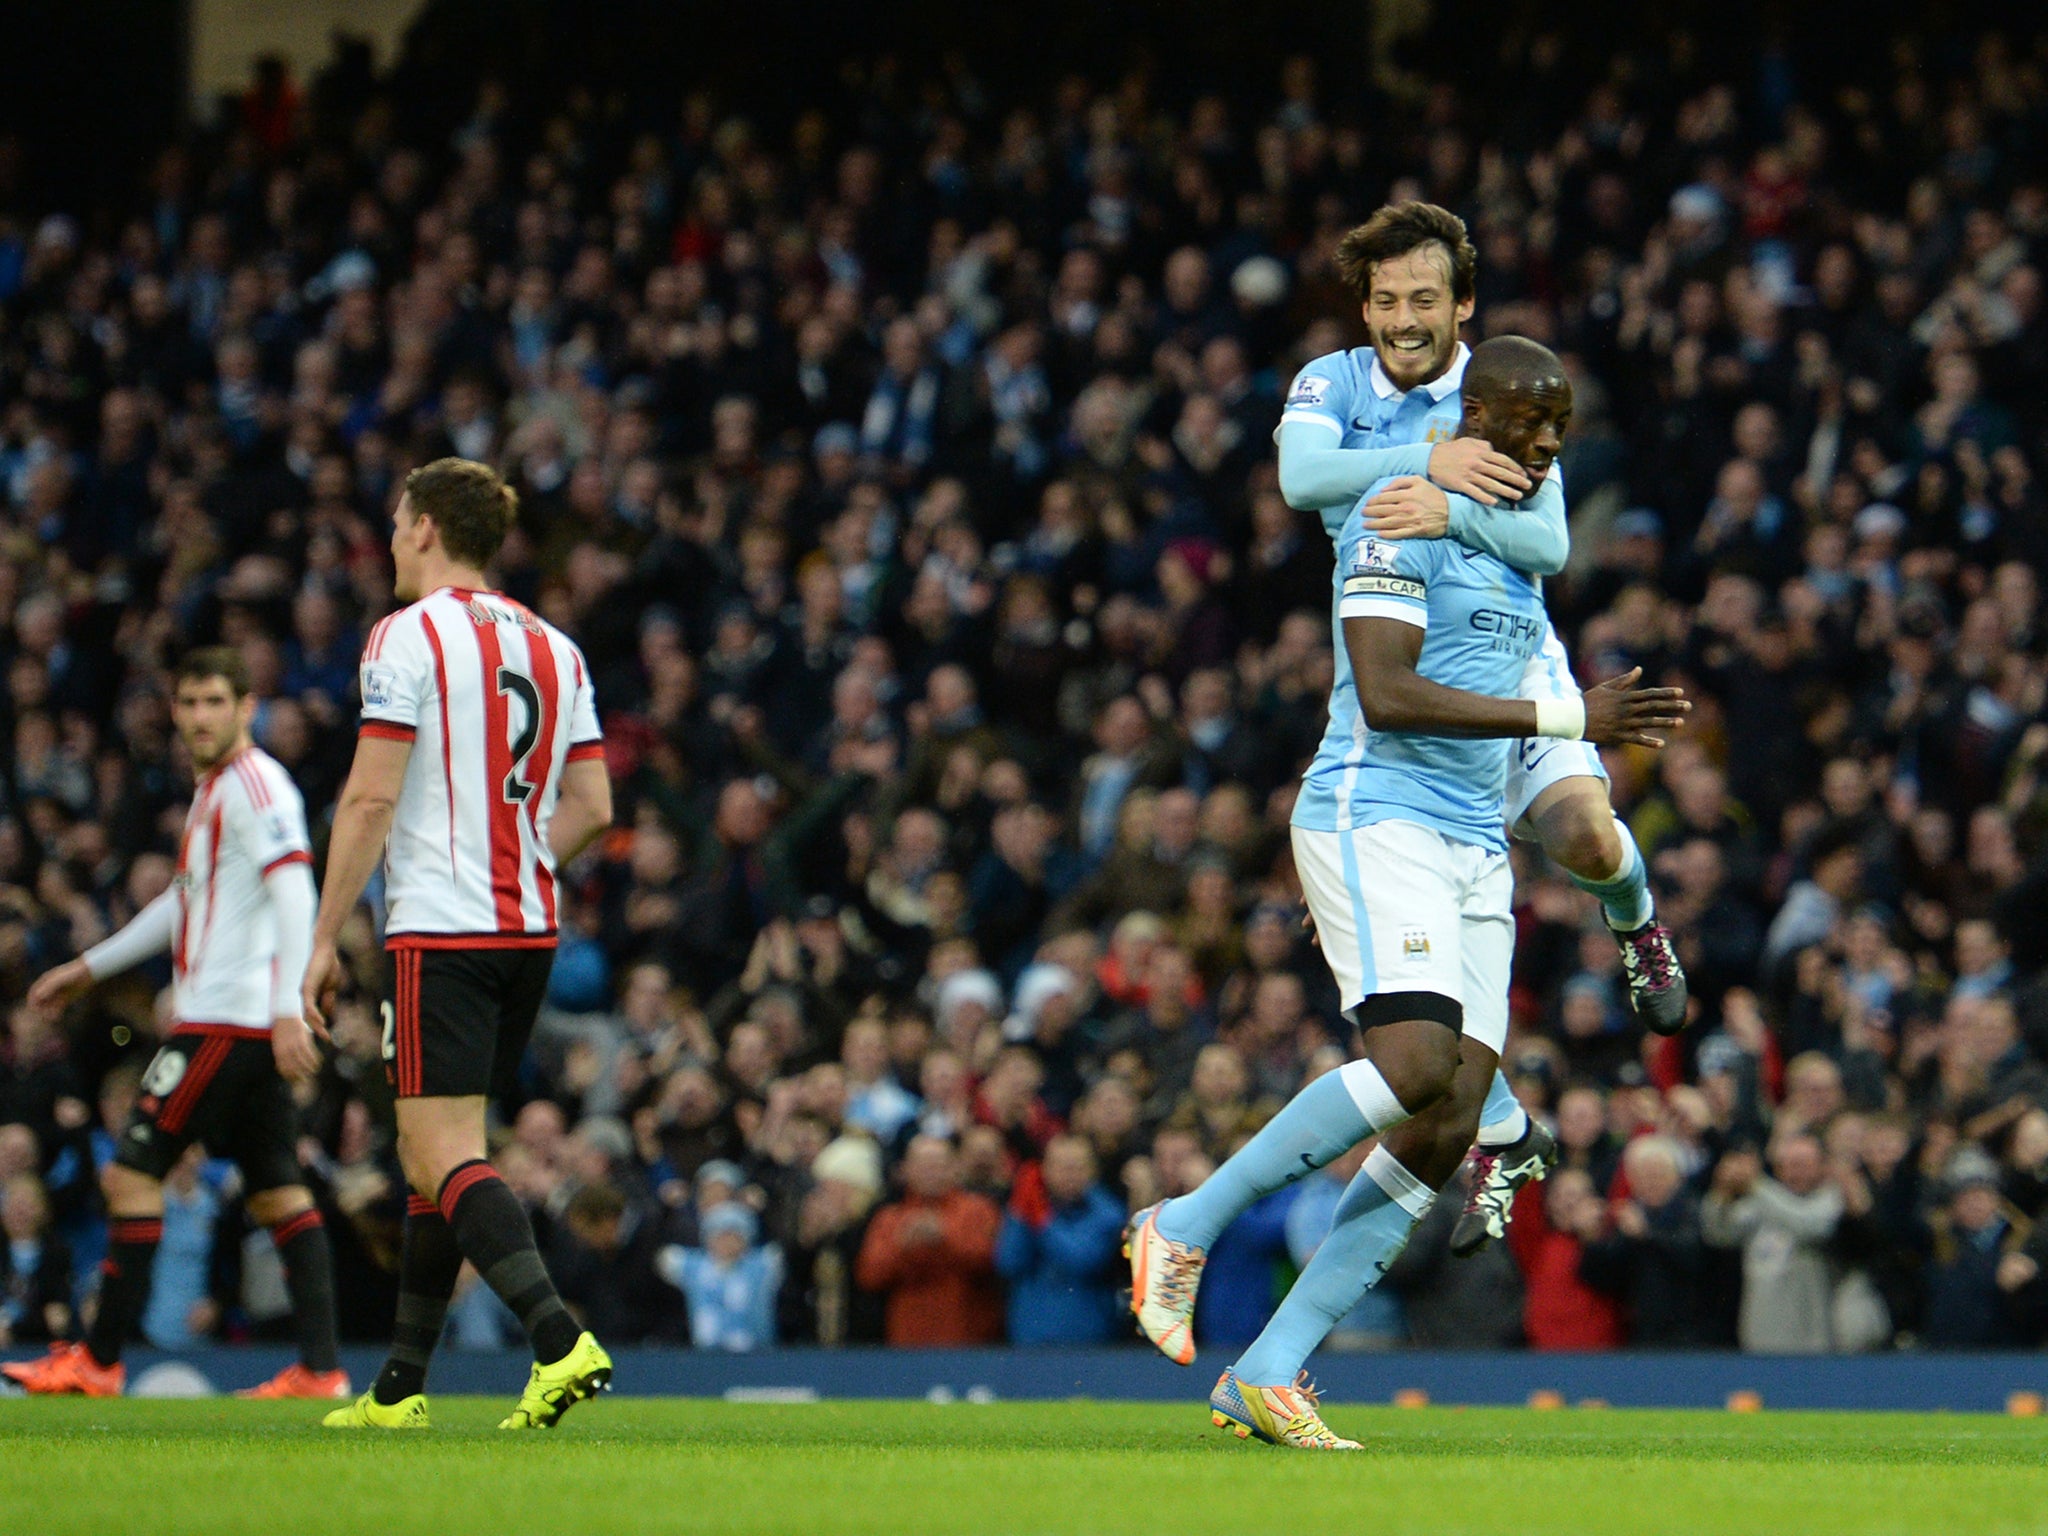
{"x": 1537, "y": 762}
{"x": 1399, "y": 907}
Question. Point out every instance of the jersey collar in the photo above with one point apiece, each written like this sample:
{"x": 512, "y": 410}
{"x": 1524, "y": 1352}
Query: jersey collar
{"x": 1444, "y": 384}
{"x": 225, "y": 763}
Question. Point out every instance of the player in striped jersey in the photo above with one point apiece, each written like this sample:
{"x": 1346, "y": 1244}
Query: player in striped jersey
{"x": 479, "y": 772}
{"x": 238, "y": 921}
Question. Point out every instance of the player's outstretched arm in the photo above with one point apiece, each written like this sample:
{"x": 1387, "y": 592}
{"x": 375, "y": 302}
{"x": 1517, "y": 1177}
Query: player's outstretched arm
{"x": 362, "y": 821}
{"x": 1534, "y": 537}
{"x": 145, "y": 934}
{"x": 1395, "y": 697}
{"x": 583, "y": 810}
{"x": 1318, "y": 476}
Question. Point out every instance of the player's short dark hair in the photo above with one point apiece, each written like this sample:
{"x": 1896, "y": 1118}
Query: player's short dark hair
{"x": 1511, "y": 362}
{"x": 472, "y": 507}
{"x": 1400, "y": 228}
{"x": 211, "y": 661}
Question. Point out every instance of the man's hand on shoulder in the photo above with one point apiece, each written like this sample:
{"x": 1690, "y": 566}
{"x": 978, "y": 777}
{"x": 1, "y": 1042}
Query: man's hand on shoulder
{"x": 1473, "y": 467}
{"x": 1408, "y": 507}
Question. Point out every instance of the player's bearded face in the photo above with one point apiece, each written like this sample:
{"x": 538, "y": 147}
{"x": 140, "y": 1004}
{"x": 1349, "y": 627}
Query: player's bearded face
{"x": 1411, "y": 316}
{"x": 210, "y": 719}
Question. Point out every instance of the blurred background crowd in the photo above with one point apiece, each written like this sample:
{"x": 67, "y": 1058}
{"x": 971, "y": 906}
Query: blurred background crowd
{"x": 899, "y": 454}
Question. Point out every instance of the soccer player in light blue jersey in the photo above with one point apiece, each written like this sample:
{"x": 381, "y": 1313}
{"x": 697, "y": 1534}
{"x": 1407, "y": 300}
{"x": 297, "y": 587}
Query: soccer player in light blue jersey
{"x": 1355, "y": 418}
{"x": 1399, "y": 842}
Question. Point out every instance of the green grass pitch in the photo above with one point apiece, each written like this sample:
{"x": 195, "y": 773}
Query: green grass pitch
{"x": 153, "y": 1468}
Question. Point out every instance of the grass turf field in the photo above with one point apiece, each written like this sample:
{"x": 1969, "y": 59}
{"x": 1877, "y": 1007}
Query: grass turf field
{"x": 915, "y": 1469}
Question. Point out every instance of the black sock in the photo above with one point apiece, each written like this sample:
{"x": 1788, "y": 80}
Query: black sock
{"x": 427, "y": 1267}
{"x": 301, "y": 1242}
{"x": 124, "y": 1283}
{"x": 496, "y": 1237}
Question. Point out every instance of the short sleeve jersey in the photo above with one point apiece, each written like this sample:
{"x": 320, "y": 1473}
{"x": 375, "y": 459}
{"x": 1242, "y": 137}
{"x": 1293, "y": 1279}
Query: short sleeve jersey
{"x": 1481, "y": 622}
{"x": 497, "y": 703}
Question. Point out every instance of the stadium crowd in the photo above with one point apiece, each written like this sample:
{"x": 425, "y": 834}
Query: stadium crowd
{"x": 903, "y": 467}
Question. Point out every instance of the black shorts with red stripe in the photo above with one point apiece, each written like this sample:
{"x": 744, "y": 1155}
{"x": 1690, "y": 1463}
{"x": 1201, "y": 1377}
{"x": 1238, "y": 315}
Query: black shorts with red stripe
{"x": 459, "y": 1019}
{"x": 217, "y": 1084}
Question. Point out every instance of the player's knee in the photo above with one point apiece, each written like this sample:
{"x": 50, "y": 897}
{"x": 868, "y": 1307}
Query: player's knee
{"x": 1413, "y": 1038}
{"x": 1423, "y": 1070}
{"x": 429, "y": 1153}
{"x": 1584, "y": 839}
{"x": 424, "y": 1169}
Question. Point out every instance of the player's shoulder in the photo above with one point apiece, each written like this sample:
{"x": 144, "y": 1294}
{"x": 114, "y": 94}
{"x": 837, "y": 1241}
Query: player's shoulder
{"x": 555, "y": 637}
{"x": 1346, "y": 363}
{"x": 397, "y": 630}
{"x": 259, "y": 782}
{"x": 1331, "y": 376}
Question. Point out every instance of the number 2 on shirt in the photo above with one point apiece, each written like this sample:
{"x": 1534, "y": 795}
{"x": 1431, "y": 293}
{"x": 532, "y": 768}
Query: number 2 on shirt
{"x": 517, "y": 683}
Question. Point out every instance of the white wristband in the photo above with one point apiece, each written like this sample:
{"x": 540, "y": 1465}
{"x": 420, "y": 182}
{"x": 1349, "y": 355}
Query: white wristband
{"x": 1563, "y": 718}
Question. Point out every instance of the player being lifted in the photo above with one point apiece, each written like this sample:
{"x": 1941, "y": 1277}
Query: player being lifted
{"x": 1354, "y": 418}
{"x": 1399, "y": 841}
{"x": 479, "y": 772}
{"x": 238, "y": 921}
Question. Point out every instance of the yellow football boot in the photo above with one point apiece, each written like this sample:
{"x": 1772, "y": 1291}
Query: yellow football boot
{"x": 367, "y": 1413}
{"x": 552, "y": 1390}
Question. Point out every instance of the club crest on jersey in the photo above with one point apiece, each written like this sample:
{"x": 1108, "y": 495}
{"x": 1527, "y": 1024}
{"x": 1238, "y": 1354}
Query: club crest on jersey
{"x": 1414, "y": 945}
{"x": 1308, "y": 390}
{"x": 377, "y": 687}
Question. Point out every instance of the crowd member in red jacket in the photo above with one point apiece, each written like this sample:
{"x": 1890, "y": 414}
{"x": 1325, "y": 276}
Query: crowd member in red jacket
{"x": 1560, "y": 1311}
{"x": 932, "y": 1254}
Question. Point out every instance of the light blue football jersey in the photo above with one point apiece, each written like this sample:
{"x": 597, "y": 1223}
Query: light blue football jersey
{"x": 1350, "y": 391}
{"x": 1346, "y": 402}
{"x": 1482, "y": 620}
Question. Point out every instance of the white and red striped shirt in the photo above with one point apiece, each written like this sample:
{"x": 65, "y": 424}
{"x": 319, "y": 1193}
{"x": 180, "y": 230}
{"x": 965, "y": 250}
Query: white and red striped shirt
{"x": 497, "y": 702}
{"x": 247, "y": 819}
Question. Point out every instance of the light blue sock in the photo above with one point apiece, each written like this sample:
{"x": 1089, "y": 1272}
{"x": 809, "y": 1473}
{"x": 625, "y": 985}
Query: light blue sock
{"x": 1321, "y": 1123}
{"x": 1502, "y": 1120}
{"x": 1625, "y": 899}
{"x": 1380, "y": 1208}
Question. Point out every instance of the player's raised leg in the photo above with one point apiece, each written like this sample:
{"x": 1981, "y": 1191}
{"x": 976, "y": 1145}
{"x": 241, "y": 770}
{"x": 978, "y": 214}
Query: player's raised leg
{"x": 1578, "y": 828}
{"x": 1557, "y": 793}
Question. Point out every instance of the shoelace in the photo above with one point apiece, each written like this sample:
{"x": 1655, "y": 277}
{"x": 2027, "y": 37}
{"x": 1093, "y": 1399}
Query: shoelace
{"x": 1652, "y": 952}
{"x": 1484, "y": 1166}
{"x": 1311, "y": 1423}
{"x": 1178, "y": 1281}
